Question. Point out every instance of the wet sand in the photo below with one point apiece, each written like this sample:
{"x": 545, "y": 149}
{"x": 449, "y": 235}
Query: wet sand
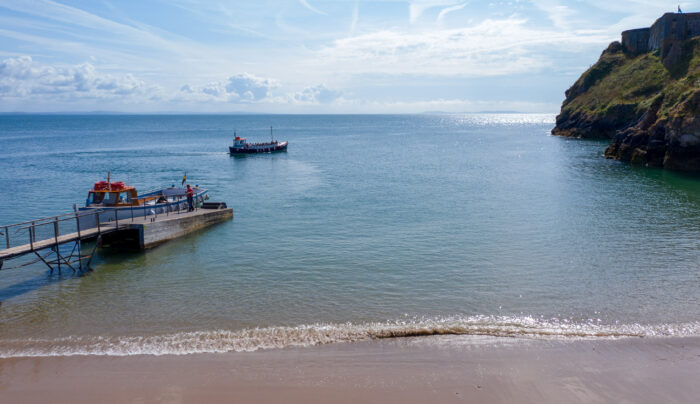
{"x": 411, "y": 370}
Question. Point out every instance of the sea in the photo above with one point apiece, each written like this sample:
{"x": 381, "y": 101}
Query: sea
{"x": 367, "y": 227}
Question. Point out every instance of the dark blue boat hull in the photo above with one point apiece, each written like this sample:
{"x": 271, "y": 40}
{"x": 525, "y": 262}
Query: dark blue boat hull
{"x": 251, "y": 150}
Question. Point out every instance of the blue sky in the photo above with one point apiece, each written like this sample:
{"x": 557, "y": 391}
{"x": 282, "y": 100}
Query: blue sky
{"x": 305, "y": 56}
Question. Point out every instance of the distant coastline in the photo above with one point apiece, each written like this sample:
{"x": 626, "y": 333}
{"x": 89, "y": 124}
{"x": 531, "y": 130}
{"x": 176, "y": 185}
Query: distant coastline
{"x": 103, "y": 113}
{"x": 131, "y": 113}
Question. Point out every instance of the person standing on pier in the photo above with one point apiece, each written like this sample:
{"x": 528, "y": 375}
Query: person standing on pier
{"x": 190, "y": 198}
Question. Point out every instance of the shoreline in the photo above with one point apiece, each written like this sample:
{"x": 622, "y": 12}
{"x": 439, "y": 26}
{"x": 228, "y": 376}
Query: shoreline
{"x": 223, "y": 341}
{"x": 416, "y": 369}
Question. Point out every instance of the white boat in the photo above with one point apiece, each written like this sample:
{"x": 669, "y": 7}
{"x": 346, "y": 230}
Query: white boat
{"x": 117, "y": 201}
{"x": 241, "y": 146}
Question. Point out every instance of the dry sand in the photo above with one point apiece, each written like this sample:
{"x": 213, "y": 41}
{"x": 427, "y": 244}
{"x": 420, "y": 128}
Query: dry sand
{"x": 412, "y": 370}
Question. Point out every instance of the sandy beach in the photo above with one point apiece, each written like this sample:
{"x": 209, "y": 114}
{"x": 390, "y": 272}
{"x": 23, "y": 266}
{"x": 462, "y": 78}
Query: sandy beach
{"x": 412, "y": 370}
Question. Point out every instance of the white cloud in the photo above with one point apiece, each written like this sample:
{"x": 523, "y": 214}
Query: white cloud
{"x": 249, "y": 87}
{"x": 62, "y": 32}
{"x": 559, "y": 14}
{"x": 417, "y": 7}
{"x": 493, "y": 47}
{"x": 319, "y": 94}
{"x": 355, "y": 18}
{"x": 27, "y": 83}
{"x": 23, "y": 77}
{"x": 53, "y": 11}
{"x": 448, "y": 10}
{"x": 237, "y": 88}
{"x": 309, "y": 7}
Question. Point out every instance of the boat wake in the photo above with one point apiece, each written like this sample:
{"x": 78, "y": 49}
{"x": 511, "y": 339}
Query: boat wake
{"x": 248, "y": 340}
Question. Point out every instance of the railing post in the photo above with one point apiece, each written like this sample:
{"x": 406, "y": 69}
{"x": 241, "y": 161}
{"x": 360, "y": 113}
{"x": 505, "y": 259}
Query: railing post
{"x": 132, "y": 211}
{"x": 80, "y": 241}
{"x": 31, "y": 237}
{"x": 58, "y": 252}
{"x": 7, "y": 236}
{"x": 33, "y": 233}
{"x": 97, "y": 220}
{"x": 77, "y": 224}
{"x": 55, "y": 237}
{"x": 116, "y": 218}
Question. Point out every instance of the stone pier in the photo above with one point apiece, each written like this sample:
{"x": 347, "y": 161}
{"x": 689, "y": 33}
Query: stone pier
{"x": 154, "y": 231}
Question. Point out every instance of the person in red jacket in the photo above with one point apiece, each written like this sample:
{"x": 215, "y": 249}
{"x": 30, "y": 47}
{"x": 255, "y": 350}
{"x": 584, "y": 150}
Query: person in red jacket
{"x": 190, "y": 198}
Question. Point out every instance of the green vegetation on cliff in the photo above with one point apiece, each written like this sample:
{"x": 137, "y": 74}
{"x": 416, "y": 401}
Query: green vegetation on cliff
{"x": 647, "y": 109}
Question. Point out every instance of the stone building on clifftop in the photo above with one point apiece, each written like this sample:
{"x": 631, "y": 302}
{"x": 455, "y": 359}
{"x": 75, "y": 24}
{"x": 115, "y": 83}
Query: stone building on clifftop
{"x": 665, "y": 36}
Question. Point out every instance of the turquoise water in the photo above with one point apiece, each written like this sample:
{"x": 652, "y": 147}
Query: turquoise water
{"x": 369, "y": 226}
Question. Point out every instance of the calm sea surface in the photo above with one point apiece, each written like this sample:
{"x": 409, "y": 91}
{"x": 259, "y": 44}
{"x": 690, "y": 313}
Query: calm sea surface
{"x": 369, "y": 226}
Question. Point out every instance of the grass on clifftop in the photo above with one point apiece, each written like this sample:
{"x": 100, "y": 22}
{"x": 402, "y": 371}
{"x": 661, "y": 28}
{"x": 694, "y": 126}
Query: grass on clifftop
{"x": 635, "y": 81}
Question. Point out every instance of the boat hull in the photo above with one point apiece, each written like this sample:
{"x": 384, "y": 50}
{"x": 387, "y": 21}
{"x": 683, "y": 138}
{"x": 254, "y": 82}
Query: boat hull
{"x": 271, "y": 148}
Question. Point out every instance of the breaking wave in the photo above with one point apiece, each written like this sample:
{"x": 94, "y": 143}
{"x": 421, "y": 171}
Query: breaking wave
{"x": 248, "y": 340}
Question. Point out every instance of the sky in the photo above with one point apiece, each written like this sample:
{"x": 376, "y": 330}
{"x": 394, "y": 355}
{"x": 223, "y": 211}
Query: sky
{"x": 305, "y": 56}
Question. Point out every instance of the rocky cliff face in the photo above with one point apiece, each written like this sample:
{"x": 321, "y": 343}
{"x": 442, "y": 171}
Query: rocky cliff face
{"x": 649, "y": 111}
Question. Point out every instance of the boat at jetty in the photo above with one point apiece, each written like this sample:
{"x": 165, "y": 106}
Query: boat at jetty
{"x": 118, "y": 200}
{"x": 241, "y": 146}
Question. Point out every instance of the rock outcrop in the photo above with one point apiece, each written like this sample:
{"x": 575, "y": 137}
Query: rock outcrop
{"x": 647, "y": 103}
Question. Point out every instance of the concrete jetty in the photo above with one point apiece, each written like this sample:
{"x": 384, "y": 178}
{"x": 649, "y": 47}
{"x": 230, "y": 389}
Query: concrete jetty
{"x": 153, "y": 231}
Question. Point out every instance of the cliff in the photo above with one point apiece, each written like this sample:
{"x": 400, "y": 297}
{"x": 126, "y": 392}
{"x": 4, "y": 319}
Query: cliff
{"x": 644, "y": 95}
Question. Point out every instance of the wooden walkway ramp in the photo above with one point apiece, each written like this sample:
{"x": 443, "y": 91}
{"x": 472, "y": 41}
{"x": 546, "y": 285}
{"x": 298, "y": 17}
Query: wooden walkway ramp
{"x": 51, "y": 233}
{"x": 52, "y": 242}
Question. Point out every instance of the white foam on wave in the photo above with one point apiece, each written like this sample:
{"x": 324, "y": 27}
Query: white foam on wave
{"x": 248, "y": 340}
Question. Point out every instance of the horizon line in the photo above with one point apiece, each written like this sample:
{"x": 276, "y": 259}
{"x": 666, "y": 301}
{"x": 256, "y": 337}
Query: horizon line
{"x": 265, "y": 113}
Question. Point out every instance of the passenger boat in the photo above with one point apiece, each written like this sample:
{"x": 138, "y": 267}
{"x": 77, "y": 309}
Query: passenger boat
{"x": 241, "y": 146}
{"x": 117, "y": 201}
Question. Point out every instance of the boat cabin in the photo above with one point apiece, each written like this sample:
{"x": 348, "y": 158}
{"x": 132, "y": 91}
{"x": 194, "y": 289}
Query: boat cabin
{"x": 112, "y": 194}
{"x": 239, "y": 142}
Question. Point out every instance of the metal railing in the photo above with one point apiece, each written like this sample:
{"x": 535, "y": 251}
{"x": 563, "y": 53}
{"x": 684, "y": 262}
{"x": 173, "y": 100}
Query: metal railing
{"x": 179, "y": 206}
{"x": 54, "y": 227}
{"x": 165, "y": 208}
